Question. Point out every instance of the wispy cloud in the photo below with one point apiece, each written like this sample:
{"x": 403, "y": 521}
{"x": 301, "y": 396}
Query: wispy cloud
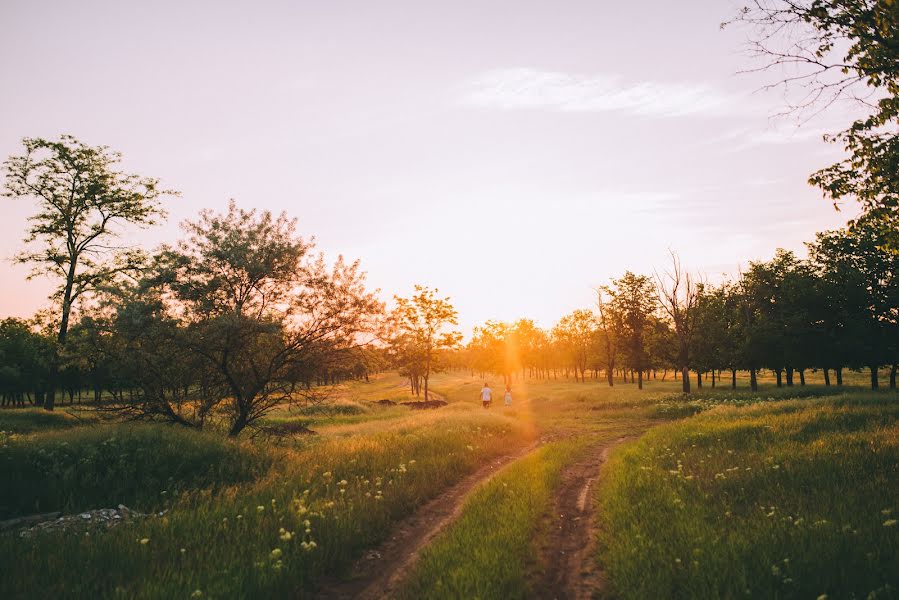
{"x": 524, "y": 88}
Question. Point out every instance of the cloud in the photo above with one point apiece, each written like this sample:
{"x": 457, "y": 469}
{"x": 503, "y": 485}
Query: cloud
{"x": 746, "y": 138}
{"x": 530, "y": 89}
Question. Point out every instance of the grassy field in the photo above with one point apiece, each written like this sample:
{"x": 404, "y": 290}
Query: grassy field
{"x": 270, "y": 517}
{"x": 777, "y": 499}
{"x": 485, "y": 554}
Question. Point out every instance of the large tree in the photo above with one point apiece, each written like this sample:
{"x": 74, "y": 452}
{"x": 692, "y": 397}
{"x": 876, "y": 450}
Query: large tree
{"x": 251, "y": 300}
{"x": 82, "y": 202}
{"x": 421, "y": 326}
{"x": 831, "y": 49}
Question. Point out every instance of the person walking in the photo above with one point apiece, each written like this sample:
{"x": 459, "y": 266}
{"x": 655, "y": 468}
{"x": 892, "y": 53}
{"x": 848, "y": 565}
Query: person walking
{"x": 486, "y": 395}
{"x": 507, "y": 397}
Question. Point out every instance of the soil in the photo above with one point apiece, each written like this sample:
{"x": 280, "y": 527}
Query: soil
{"x": 567, "y": 569}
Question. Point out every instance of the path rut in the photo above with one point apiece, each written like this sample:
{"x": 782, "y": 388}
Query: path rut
{"x": 569, "y": 571}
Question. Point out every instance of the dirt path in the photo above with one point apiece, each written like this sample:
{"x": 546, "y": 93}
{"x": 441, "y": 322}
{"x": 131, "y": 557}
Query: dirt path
{"x": 569, "y": 570}
{"x": 379, "y": 573}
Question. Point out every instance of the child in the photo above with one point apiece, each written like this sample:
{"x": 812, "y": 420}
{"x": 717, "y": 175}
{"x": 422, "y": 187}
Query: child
{"x": 486, "y": 394}
{"x": 507, "y": 397}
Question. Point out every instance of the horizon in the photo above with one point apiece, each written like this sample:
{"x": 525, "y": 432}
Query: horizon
{"x": 457, "y": 153}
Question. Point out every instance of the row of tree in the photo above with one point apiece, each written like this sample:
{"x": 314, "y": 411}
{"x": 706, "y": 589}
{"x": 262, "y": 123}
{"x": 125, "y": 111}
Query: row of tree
{"x": 837, "y": 309}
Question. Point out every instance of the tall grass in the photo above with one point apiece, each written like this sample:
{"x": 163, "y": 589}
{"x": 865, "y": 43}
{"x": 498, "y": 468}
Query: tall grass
{"x": 141, "y": 466}
{"x": 313, "y": 513}
{"x": 792, "y": 499}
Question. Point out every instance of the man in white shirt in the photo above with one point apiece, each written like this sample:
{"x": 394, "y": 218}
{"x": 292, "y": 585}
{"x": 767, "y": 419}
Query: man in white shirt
{"x": 486, "y": 395}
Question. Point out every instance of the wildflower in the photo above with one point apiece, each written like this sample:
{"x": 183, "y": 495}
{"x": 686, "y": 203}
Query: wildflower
{"x": 822, "y": 597}
{"x": 342, "y": 491}
{"x": 260, "y": 508}
{"x": 342, "y": 482}
{"x": 276, "y": 553}
{"x": 285, "y": 535}
{"x": 886, "y": 511}
{"x": 306, "y": 523}
{"x": 273, "y": 501}
{"x": 412, "y": 462}
{"x": 890, "y": 523}
{"x": 183, "y": 551}
{"x": 239, "y": 517}
{"x": 277, "y": 565}
{"x": 145, "y": 541}
{"x": 197, "y": 594}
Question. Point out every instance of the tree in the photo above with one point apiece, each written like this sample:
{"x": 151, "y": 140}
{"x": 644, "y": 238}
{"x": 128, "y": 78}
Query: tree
{"x": 677, "y": 293}
{"x": 833, "y": 49}
{"x": 863, "y": 284}
{"x": 247, "y": 297}
{"x": 634, "y": 299}
{"x": 421, "y": 323}
{"x": 610, "y": 330}
{"x": 82, "y": 200}
{"x": 576, "y": 333}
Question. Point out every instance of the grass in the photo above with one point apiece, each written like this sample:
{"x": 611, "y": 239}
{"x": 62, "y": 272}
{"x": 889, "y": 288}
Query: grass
{"x": 141, "y": 466}
{"x": 30, "y": 420}
{"x": 255, "y": 519}
{"x": 789, "y": 499}
{"x": 485, "y": 554}
{"x": 334, "y": 498}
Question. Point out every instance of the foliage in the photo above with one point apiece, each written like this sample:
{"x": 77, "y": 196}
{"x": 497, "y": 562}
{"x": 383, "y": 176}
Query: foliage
{"x": 419, "y": 334}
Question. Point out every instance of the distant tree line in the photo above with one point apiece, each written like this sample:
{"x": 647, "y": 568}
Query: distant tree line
{"x": 838, "y": 309}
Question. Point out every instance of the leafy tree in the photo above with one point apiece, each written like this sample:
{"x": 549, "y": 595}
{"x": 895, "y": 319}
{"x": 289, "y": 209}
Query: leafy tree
{"x": 82, "y": 201}
{"x": 633, "y": 297}
{"x": 576, "y": 333}
{"x": 246, "y": 296}
{"x": 834, "y": 49}
{"x": 611, "y": 329}
{"x": 421, "y": 324}
{"x": 863, "y": 291}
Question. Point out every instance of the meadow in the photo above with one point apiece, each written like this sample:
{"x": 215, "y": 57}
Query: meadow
{"x": 796, "y": 498}
{"x": 280, "y": 516}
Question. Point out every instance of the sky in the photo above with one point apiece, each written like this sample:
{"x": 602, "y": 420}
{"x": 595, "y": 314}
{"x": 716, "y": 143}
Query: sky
{"x": 513, "y": 154}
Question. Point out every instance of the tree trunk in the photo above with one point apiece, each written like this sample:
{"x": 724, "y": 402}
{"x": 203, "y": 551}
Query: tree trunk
{"x": 639, "y": 379}
{"x": 789, "y": 376}
{"x": 698, "y": 379}
{"x": 801, "y": 376}
{"x": 893, "y": 376}
{"x": 610, "y": 376}
{"x": 685, "y": 380}
{"x": 839, "y": 371}
{"x": 779, "y": 373}
{"x": 753, "y": 380}
{"x": 827, "y": 377}
{"x": 874, "y": 382}
{"x": 733, "y": 379}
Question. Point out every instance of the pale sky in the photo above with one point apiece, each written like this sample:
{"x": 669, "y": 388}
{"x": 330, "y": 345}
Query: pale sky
{"x": 514, "y": 154}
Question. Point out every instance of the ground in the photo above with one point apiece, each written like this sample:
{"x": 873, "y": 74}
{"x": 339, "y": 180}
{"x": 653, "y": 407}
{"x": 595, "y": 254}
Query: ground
{"x": 536, "y": 500}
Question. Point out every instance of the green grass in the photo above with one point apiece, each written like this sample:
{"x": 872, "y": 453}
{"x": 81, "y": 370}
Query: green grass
{"x": 141, "y": 466}
{"x": 19, "y": 421}
{"x": 232, "y": 549}
{"x": 485, "y": 553}
{"x": 789, "y": 499}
